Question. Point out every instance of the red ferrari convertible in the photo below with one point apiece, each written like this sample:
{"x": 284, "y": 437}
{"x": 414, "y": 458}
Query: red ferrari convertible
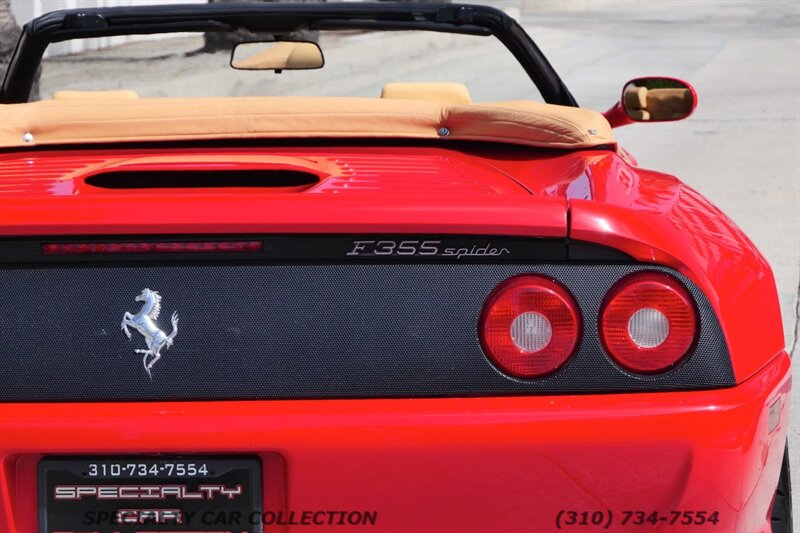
{"x": 416, "y": 309}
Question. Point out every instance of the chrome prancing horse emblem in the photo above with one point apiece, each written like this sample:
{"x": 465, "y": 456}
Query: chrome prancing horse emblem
{"x": 145, "y": 323}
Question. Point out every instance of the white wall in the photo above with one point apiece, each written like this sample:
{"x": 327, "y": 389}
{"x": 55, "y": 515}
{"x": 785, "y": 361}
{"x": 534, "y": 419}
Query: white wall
{"x": 25, "y": 10}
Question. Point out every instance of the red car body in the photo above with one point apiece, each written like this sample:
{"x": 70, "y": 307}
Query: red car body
{"x": 449, "y": 464}
{"x": 667, "y": 461}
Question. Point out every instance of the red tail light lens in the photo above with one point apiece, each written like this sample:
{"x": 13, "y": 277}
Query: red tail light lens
{"x": 530, "y": 326}
{"x": 648, "y": 322}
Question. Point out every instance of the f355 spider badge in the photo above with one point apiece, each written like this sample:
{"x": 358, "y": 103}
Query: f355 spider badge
{"x": 145, "y": 323}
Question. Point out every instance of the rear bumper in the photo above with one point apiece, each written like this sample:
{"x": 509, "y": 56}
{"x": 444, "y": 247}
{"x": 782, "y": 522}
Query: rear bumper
{"x": 478, "y": 464}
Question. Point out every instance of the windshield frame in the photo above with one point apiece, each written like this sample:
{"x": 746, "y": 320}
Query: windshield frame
{"x": 278, "y": 19}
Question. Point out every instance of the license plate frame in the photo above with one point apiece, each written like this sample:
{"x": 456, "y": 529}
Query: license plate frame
{"x": 162, "y": 482}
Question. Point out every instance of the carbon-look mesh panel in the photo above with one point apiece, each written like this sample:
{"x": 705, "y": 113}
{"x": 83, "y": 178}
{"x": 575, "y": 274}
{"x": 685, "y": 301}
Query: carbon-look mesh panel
{"x": 277, "y": 331}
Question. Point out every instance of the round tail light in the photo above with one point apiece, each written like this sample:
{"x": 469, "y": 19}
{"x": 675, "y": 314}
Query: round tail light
{"x": 648, "y": 322}
{"x": 530, "y": 326}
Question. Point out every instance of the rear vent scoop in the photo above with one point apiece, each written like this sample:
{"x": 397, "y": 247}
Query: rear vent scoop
{"x": 284, "y": 180}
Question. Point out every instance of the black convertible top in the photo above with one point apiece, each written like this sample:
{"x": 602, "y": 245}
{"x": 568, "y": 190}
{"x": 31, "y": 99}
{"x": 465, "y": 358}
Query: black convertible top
{"x": 278, "y": 19}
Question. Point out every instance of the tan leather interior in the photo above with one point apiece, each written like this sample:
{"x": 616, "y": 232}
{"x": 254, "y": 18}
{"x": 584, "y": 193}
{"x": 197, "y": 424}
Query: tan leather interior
{"x": 281, "y": 55}
{"x": 121, "y": 94}
{"x": 635, "y": 97}
{"x": 657, "y": 104}
{"x": 54, "y": 122}
{"x": 454, "y": 93}
{"x": 639, "y": 114}
{"x": 669, "y": 103}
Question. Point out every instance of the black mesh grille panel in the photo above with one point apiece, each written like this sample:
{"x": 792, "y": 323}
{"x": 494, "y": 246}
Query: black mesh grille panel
{"x": 253, "y": 331}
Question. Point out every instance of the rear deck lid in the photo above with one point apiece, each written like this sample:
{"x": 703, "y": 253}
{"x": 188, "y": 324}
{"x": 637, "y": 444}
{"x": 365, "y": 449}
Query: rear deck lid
{"x": 327, "y": 190}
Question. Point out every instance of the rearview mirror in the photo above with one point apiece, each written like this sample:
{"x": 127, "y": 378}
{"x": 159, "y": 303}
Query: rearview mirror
{"x": 277, "y": 56}
{"x": 653, "y": 100}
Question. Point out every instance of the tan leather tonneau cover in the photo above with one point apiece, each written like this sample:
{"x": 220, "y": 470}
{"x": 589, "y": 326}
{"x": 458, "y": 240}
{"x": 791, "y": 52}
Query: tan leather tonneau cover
{"x": 55, "y": 122}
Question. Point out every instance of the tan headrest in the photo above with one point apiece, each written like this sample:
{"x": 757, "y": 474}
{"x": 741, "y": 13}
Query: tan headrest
{"x": 669, "y": 101}
{"x": 638, "y": 114}
{"x": 451, "y": 93}
{"x": 122, "y": 94}
{"x": 635, "y": 97}
{"x": 657, "y": 104}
